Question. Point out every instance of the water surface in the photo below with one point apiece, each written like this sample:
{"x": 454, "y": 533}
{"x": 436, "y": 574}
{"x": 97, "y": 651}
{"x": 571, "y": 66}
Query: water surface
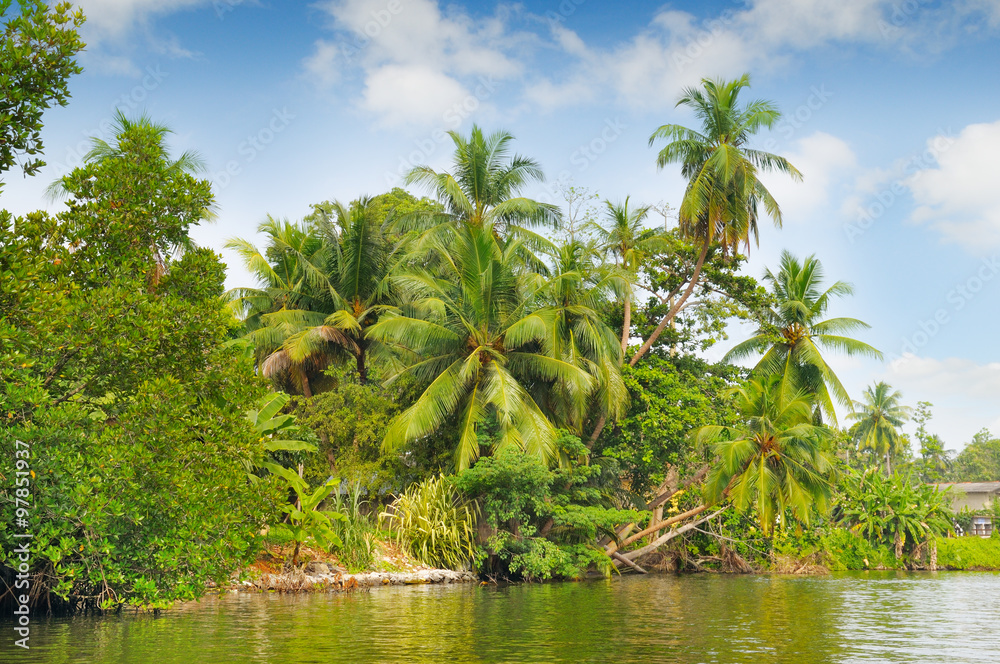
{"x": 860, "y": 617}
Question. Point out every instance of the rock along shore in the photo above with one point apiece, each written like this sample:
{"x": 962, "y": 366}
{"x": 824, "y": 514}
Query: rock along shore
{"x": 319, "y": 577}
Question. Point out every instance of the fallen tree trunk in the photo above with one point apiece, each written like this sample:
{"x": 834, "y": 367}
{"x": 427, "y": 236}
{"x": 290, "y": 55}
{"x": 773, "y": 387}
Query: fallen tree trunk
{"x": 619, "y": 558}
{"x": 613, "y": 546}
{"x": 666, "y": 537}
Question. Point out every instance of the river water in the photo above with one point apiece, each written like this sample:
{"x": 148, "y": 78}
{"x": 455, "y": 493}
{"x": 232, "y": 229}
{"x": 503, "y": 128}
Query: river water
{"x": 853, "y": 617}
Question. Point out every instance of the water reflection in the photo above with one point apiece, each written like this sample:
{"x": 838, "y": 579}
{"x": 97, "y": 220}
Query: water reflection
{"x": 870, "y": 617}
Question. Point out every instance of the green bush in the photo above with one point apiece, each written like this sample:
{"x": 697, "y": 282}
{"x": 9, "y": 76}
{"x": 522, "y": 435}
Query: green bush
{"x": 968, "y": 553}
{"x": 357, "y": 530}
{"x": 847, "y": 550}
{"x": 434, "y": 523}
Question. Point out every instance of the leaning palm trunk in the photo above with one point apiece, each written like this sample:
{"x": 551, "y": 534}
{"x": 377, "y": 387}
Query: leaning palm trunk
{"x": 672, "y": 313}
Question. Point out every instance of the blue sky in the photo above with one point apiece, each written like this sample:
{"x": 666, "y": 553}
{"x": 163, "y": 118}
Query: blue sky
{"x": 892, "y": 113}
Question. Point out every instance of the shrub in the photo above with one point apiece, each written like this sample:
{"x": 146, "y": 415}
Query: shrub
{"x": 968, "y": 553}
{"x": 434, "y": 523}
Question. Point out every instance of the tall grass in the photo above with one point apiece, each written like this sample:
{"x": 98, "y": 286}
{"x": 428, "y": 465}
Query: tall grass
{"x": 358, "y": 531}
{"x": 434, "y": 523}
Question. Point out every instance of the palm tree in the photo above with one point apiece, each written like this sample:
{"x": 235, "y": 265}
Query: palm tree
{"x": 356, "y": 284}
{"x": 631, "y": 244}
{"x": 878, "y": 417}
{"x": 723, "y": 193}
{"x": 792, "y": 334}
{"x": 774, "y": 459}
{"x": 290, "y": 297}
{"x": 579, "y": 287}
{"x": 477, "y": 342}
{"x": 324, "y": 284}
{"x": 484, "y": 188}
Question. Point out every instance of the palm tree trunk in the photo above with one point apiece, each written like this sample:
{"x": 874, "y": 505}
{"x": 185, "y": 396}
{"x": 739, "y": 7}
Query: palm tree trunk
{"x": 304, "y": 379}
{"x": 627, "y": 325}
{"x": 677, "y": 305}
{"x": 362, "y": 368}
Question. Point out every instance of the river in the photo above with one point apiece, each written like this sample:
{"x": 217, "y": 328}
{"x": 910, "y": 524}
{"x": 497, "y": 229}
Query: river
{"x": 852, "y": 617}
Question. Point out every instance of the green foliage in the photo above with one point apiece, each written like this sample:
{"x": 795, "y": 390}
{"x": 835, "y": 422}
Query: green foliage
{"x": 542, "y": 522}
{"x": 774, "y": 460}
{"x": 357, "y": 529}
{"x": 112, "y": 367}
{"x": 434, "y": 523}
{"x": 36, "y": 62}
{"x": 878, "y": 418}
{"x": 351, "y": 420}
{"x": 979, "y": 461}
{"x": 892, "y": 511}
{"x": 668, "y": 399}
{"x": 981, "y": 553}
{"x": 306, "y": 521}
{"x": 848, "y": 550}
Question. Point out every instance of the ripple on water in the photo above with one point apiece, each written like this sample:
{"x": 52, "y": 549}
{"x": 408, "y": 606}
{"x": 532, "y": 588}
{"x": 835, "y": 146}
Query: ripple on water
{"x": 843, "y": 618}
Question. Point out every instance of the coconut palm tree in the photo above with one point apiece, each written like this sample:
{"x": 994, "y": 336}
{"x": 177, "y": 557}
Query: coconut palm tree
{"x": 479, "y": 343}
{"x": 291, "y": 297}
{"x": 774, "y": 460}
{"x": 579, "y": 287}
{"x": 723, "y": 194}
{"x": 325, "y": 284}
{"x": 630, "y": 244}
{"x": 879, "y": 416}
{"x": 793, "y": 333}
{"x": 484, "y": 186}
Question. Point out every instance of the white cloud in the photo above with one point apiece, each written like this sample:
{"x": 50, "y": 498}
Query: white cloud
{"x": 112, "y": 27}
{"x": 824, "y": 161}
{"x": 417, "y": 61}
{"x": 402, "y": 94}
{"x": 957, "y": 197}
{"x": 961, "y": 391}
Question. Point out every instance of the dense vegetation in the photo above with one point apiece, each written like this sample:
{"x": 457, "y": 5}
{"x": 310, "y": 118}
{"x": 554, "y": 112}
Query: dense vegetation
{"x": 459, "y": 373}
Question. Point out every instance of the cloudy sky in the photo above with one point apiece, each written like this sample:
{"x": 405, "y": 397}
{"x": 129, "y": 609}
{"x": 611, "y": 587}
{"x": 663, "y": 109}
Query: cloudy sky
{"x": 892, "y": 112}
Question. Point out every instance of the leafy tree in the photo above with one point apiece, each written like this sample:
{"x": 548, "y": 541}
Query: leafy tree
{"x": 135, "y": 413}
{"x": 979, "y": 461}
{"x": 878, "y": 417}
{"x": 934, "y": 458}
{"x": 36, "y": 62}
{"x": 668, "y": 399}
{"x": 773, "y": 459}
{"x": 791, "y": 334}
{"x": 478, "y": 344}
{"x": 723, "y": 193}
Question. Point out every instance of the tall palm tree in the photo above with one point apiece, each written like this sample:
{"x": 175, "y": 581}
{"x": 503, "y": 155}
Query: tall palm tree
{"x": 290, "y": 297}
{"x": 879, "y": 415}
{"x": 630, "y": 244}
{"x": 792, "y": 334}
{"x": 484, "y": 187}
{"x": 774, "y": 459}
{"x": 476, "y": 340}
{"x": 323, "y": 285}
{"x": 579, "y": 287}
{"x": 723, "y": 193}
